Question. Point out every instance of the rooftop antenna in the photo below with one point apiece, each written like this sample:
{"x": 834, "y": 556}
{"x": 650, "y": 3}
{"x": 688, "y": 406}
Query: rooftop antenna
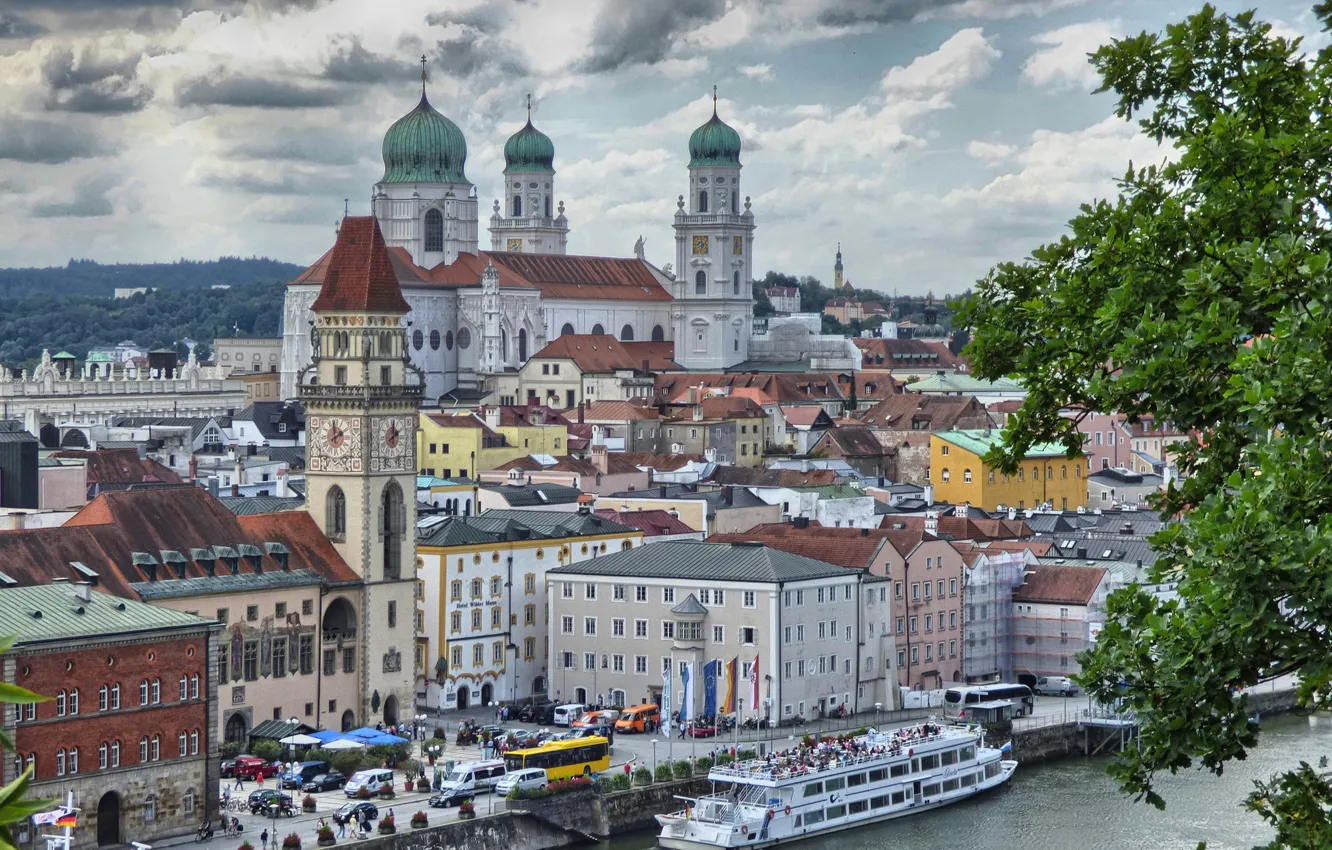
{"x": 346, "y": 207}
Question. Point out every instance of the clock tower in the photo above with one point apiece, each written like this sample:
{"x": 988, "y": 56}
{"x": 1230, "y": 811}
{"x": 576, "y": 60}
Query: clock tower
{"x": 713, "y": 309}
{"x": 529, "y": 221}
{"x": 361, "y": 399}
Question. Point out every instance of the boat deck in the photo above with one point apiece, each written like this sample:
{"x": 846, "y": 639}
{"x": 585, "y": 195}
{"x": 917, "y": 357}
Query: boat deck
{"x": 837, "y": 753}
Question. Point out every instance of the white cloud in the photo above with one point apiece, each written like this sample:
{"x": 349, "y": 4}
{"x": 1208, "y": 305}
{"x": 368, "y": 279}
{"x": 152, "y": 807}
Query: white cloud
{"x": 1061, "y": 61}
{"x": 761, "y": 71}
{"x": 990, "y": 151}
{"x": 965, "y": 57}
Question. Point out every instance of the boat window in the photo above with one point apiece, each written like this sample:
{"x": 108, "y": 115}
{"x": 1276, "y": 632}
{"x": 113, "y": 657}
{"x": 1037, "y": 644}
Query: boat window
{"x": 855, "y": 779}
{"x": 948, "y": 757}
{"x": 967, "y": 753}
{"x": 900, "y": 769}
{"x": 931, "y": 790}
{"x": 899, "y": 797}
{"x": 929, "y": 762}
{"x": 835, "y": 812}
{"x": 880, "y": 802}
{"x": 968, "y": 780}
{"x": 992, "y": 770}
{"x": 859, "y": 806}
{"x": 812, "y": 818}
{"x": 813, "y": 789}
{"x": 835, "y": 783}
{"x": 949, "y": 785}
{"x": 878, "y": 775}
{"x": 797, "y": 823}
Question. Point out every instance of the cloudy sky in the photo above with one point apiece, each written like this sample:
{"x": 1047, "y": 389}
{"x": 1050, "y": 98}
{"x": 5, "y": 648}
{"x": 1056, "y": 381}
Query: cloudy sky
{"x": 931, "y": 137}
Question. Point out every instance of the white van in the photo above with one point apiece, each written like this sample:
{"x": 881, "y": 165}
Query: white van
{"x": 469, "y": 778}
{"x": 370, "y": 780}
{"x": 565, "y": 715}
{"x": 1061, "y": 685}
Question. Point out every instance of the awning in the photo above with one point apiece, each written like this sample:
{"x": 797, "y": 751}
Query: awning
{"x": 276, "y": 730}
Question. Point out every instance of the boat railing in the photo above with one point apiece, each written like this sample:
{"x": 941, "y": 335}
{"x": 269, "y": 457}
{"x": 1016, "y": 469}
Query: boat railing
{"x": 762, "y": 768}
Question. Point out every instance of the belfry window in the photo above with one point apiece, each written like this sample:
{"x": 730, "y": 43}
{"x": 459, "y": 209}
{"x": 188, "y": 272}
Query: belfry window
{"x": 735, "y": 282}
{"x": 735, "y": 202}
{"x": 703, "y": 201}
{"x": 701, "y": 283}
{"x": 517, "y": 206}
{"x": 434, "y": 231}
{"x": 548, "y": 206}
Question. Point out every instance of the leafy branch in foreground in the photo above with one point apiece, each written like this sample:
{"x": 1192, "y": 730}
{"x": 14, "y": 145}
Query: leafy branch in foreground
{"x": 13, "y": 805}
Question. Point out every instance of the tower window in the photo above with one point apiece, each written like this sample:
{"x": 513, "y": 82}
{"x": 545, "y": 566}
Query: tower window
{"x": 627, "y": 333}
{"x": 340, "y": 375}
{"x": 703, "y": 201}
{"x": 336, "y": 514}
{"x": 658, "y": 334}
{"x": 434, "y": 231}
{"x": 735, "y": 282}
{"x": 517, "y": 205}
{"x": 701, "y": 283}
{"x": 735, "y": 202}
{"x": 598, "y": 329}
{"x": 548, "y": 206}
{"x": 566, "y": 329}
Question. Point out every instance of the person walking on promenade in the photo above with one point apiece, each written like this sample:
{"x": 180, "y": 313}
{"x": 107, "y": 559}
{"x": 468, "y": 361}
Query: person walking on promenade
{"x": 263, "y": 839}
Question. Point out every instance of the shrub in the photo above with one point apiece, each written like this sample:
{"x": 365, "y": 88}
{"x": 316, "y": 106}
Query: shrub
{"x": 664, "y": 772}
{"x": 642, "y": 776}
{"x": 409, "y": 766}
{"x": 422, "y": 784}
{"x": 229, "y": 750}
{"x": 437, "y": 741}
{"x": 745, "y": 755}
{"x": 621, "y": 782}
{"x": 683, "y": 769}
{"x": 725, "y": 759}
{"x": 703, "y": 764}
{"x": 861, "y": 732}
{"x": 245, "y": 845}
{"x": 808, "y": 741}
{"x": 266, "y": 749}
{"x": 345, "y": 762}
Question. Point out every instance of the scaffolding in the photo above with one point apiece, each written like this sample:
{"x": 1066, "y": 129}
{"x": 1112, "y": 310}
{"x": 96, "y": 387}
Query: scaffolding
{"x": 988, "y": 597}
{"x": 1046, "y": 645}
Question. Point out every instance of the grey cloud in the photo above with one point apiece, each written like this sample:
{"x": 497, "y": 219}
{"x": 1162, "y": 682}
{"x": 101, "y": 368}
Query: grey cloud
{"x": 90, "y": 201}
{"x": 260, "y": 92}
{"x": 489, "y": 19}
{"x": 465, "y": 57}
{"x": 847, "y": 13}
{"x": 47, "y": 142}
{"x": 12, "y": 26}
{"x": 286, "y": 183}
{"x": 632, "y": 32}
{"x": 89, "y": 82}
{"x": 319, "y": 148}
{"x": 354, "y": 64}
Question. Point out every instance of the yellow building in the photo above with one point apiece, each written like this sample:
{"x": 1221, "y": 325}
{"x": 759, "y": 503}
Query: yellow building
{"x": 1047, "y": 475}
{"x": 456, "y": 445}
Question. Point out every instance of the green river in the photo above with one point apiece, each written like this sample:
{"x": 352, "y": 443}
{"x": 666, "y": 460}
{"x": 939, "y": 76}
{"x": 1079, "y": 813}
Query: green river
{"x": 1073, "y": 805}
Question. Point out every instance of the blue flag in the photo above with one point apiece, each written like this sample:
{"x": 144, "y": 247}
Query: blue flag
{"x": 710, "y": 689}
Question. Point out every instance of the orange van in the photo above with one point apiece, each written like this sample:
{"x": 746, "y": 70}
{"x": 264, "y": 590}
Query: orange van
{"x": 636, "y": 719}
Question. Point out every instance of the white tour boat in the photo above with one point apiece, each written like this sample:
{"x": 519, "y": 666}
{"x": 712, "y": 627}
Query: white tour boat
{"x": 837, "y": 784}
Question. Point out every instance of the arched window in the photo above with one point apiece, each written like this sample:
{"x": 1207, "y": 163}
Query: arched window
{"x": 627, "y": 334}
{"x": 73, "y": 760}
{"x": 522, "y": 345}
{"x": 966, "y": 476}
{"x": 103, "y": 761}
{"x": 74, "y": 701}
{"x": 183, "y": 744}
{"x": 157, "y": 747}
{"x": 944, "y": 475}
{"x": 735, "y": 201}
{"x": 548, "y": 206}
{"x": 1063, "y": 471}
{"x": 102, "y": 694}
{"x": 504, "y": 344}
{"x": 434, "y": 231}
{"x": 143, "y": 692}
{"x": 393, "y": 518}
{"x": 598, "y": 329}
{"x": 701, "y": 283}
{"x": 194, "y": 686}
{"x": 60, "y": 703}
{"x": 735, "y": 282}
{"x": 157, "y": 691}
{"x": 60, "y": 762}
{"x": 658, "y": 334}
{"x": 184, "y": 687}
{"x": 567, "y": 329}
{"x": 143, "y": 749}
{"x": 335, "y": 513}
{"x": 517, "y": 205}
{"x": 194, "y": 742}
{"x": 703, "y": 201}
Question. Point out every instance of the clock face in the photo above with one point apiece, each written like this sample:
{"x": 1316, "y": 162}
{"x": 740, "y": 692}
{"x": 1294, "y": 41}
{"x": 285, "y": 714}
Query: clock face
{"x": 334, "y": 444}
{"x": 393, "y": 446}
{"x": 393, "y": 437}
{"x": 516, "y": 245}
{"x": 700, "y": 244}
{"x": 335, "y": 437}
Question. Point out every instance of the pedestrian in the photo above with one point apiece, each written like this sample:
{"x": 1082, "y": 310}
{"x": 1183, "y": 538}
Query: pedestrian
{"x": 259, "y": 776}
{"x": 342, "y": 829}
{"x": 240, "y": 782}
{"x": 263, "y": 839}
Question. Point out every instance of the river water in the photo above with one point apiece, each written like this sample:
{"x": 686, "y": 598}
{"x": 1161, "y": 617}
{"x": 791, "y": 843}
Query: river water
{"x": 1074, "y": 805}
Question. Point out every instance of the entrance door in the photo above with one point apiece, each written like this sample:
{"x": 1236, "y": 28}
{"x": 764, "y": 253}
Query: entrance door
{"x": 915, "y": 793}
{"x": 463, "y": 693}
{"x": 391, "y": 711}
{"x": 108, "y": 819}
{"x": 487, "y": 693}
{"x": 580, "y": 696}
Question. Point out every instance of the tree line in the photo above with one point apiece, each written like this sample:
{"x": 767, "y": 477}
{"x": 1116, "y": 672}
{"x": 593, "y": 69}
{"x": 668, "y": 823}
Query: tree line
{"x": 88, "y": 277}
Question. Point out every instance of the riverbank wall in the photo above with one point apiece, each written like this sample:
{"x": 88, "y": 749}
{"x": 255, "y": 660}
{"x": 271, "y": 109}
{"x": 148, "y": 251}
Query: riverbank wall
{"x": 614, "y": 812}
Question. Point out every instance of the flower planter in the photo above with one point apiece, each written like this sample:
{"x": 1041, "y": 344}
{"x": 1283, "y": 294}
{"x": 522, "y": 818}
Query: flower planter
{"x": 288, "y": 844}
{"x": 408, "y": 786}
{"x": 308, "y": 805}
{"x": 466, "y": 815}
{"x": 423, "y": 784}
{"x": 387, "y": 828}
{"x": 420, "y": 823}
{"x": 326, "y": 842}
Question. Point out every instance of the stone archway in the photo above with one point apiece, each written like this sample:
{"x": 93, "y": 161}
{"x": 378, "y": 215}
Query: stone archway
{"x": 108, "y": 819}
{"x": 464, "y": 695}
{"x": 348, "y": 720}
{"x": 391, "y": 711}
{"x": 487, "y": 693}
{"x": 236, "y": 729}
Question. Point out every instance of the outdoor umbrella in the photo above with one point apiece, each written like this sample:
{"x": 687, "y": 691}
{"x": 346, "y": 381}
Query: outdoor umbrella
{"x": 344, "y": 744}
{"x": 299, "y": 740}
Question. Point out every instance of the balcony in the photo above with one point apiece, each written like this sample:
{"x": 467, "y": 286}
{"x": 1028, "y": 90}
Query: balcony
{"x": 348, "y": 391}
{"x": 339, "y": 635}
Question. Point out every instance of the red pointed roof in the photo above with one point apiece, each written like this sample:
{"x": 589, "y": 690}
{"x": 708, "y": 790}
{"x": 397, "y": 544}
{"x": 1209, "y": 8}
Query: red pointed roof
{"x": 359, "y": 275}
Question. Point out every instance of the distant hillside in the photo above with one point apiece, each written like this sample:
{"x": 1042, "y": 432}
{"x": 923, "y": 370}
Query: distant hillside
{"x": 88, "y": 277}
{"x": 77, "y": 323}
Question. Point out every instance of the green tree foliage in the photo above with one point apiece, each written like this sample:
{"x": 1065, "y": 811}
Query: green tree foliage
{"x": 14, "y": 805}
{"x": 1202, "y": 295}
{"x": 77, "y": 323}
{"x": 86, "y": 277}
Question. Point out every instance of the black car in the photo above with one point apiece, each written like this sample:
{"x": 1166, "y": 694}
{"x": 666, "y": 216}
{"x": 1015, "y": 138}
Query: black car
{"x": 260, "y": 800}
{"x": 544, "y": 714}
{"x": 331, "y": 781}
{"x": 451, "y": 797}
{"x": 229, "y": 769}
{"x": 350, "y": 812}
{"x": 529, "y": 713}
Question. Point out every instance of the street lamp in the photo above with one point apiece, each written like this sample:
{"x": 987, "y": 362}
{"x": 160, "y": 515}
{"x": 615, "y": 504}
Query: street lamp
{"x": 654, "y": 758}
{"x": 878, "y": 706}
{"x": 434, "y": 751}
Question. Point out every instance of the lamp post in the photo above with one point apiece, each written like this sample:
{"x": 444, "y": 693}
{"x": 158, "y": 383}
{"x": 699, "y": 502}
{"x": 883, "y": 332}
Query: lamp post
{"x": 878, "y": 706}
{"x": 434, "y": 751}
{"x": 654, "y": 758}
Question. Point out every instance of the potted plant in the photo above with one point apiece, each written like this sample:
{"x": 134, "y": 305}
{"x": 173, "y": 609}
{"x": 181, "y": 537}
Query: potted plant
{"x": 387, "y": 826}
{"x": 419, "y": 820}
{"x": 386, "y": 792}
{"x": 363, "y": 793}
{"x": 326, "y": 838}
{"x": 422, "y": 784}
{"x": 291, "y": 842}
{"x": 466, "y": 811}
{"x": 308, "y": 804}
{"x": 245, "y": 845}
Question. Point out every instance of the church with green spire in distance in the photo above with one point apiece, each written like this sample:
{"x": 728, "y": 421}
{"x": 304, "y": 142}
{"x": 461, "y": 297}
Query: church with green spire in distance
{"x": 528, "y": 220}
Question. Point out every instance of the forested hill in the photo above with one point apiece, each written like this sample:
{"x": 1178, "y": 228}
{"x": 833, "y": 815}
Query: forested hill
{"x": 77, "y": 323}
{"x": 87, "y": 277}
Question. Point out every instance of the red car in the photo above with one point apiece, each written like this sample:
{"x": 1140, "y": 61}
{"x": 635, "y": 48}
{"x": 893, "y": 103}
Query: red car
{"x": 701, "y": 730}
{"x": 252, "y": 767}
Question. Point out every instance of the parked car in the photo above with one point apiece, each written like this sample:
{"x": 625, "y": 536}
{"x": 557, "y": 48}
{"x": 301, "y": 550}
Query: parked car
{"x": 544, "y": 714}
{"x": 566, "y": 714}
{"x": 527, "y": 779}
{"x": 1061, "y": 685}
{"x": 228, "y": 770}
{"x": 596, "y": 718}
{"x": 701, "y": 730}
{"x": 639, "y": 718}
{"x": 251, "y": 767}
{"x": 260, "y": 800}
{"x": 530, "y": 712}
{"x": 370, "y": 780}
{"x": 331, "y": 781}
{"x": 350, "y": 811}
{"x": 303, "y": 772}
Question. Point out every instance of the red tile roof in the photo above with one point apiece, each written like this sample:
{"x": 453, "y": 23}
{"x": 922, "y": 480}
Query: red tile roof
{"x": 849, "y": 441}
{"x": 904, "y": 541}
{"x": 604, "y": 353}
{"x": 106, "y": 533}
{"x": 120, "y": 466}
{"x": 614, "y": 411}
{"x": 571, "y": 276}
{"x": 781, "y": 291}
{"x": 892, "y": 354}
{"x": 747, "y": 477}
{"x": 806, "y": 417}
{"x": 924, "y": 413}
{"x": 782, "y": 387}
{"x": 962, "y": 528}
{"x": 718, "y": 407}
{"x": 651, "y": 523}
{"x": 360, "y": 275}
{"x": 1056, "y": 585}
{"x": 850, "y": 551}
{"x": 659, "y": 462}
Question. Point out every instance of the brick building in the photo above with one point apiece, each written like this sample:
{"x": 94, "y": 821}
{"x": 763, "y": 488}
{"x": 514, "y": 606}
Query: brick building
{"x": 130, "y": 725}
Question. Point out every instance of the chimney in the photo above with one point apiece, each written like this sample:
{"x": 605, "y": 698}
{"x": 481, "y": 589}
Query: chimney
{"x": 492, "y": 416}
{"x": 194, "y": 469}
{"x": 698, "y": 412}
{"x": 661, "y": 492}
{"x": 83, "y": 590}
{"x": 600, "y": 459}
{"x": 1012, "y": 512}
{"x": 235, "y": 491}
{"x": 231, "y": 451}
{"x": 283, "y": 491}
{"x": 800, "y": 522}
{"x": 728, "y": 496}
{"x": 240, "y": 471}
{"x": 692, "y": 395}
{"x": 645, "y": 365}
{"x": 581, "y": 405}
{"x": 928, "y": 495}
{"x": 804, "y": 464}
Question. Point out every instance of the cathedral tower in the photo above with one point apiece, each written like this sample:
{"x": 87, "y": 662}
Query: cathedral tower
{"x": 837, "y": 268}
{"x": 361, "y": 415}
{"x": 424, "y": 202}
{"x": 527, "y": 220}
{"x": 714, "y": 300}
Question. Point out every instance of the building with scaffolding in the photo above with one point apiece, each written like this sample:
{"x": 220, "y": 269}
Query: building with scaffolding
{"x": 1056, "y": 613}
{"x": 991, "y": 578}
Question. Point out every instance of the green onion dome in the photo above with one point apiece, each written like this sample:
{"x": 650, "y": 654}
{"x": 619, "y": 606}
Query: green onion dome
{"x": 424, "y": 147}
{"x": 715, "y": 143}
{"x": 529, "y": 149}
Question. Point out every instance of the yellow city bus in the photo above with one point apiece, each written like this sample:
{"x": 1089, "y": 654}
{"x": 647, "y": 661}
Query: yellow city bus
{"x": 563, "y": 759}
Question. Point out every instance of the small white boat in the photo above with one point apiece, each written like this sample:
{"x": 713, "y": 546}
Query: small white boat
{"x": 836, "y": 784}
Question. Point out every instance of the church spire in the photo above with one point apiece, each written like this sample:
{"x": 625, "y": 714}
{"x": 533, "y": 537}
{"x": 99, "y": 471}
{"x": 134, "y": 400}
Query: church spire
{"x": 423, "y": 74}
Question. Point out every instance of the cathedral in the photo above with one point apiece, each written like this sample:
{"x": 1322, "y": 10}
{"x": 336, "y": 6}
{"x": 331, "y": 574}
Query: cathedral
{"x": 474, "y": 314}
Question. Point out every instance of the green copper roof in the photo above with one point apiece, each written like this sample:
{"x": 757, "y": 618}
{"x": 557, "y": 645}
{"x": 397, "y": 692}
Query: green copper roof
{"x": 424, "y": 147}
{"x": 529, "y": 149}
{"x": 64, "y": 355}
{"x": 715, "y": 143}
{"x": 979, "y": 442}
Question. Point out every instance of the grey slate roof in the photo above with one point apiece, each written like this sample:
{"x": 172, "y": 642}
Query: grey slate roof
{"x": 247, "y": 505}
{"x": 294, "y": 456}
{"x": 496, "y": 526}
{"x": 691, "y": 605}
{"x": 16, "y": 437}
{"x": 706, "y": 562}
{"x": 53, "y": 612}
{"x": 196, "y": 424}
{"x": 534, "y": 494}
{"x": 740, "y": 497}
{"x": 225, "y": 582}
